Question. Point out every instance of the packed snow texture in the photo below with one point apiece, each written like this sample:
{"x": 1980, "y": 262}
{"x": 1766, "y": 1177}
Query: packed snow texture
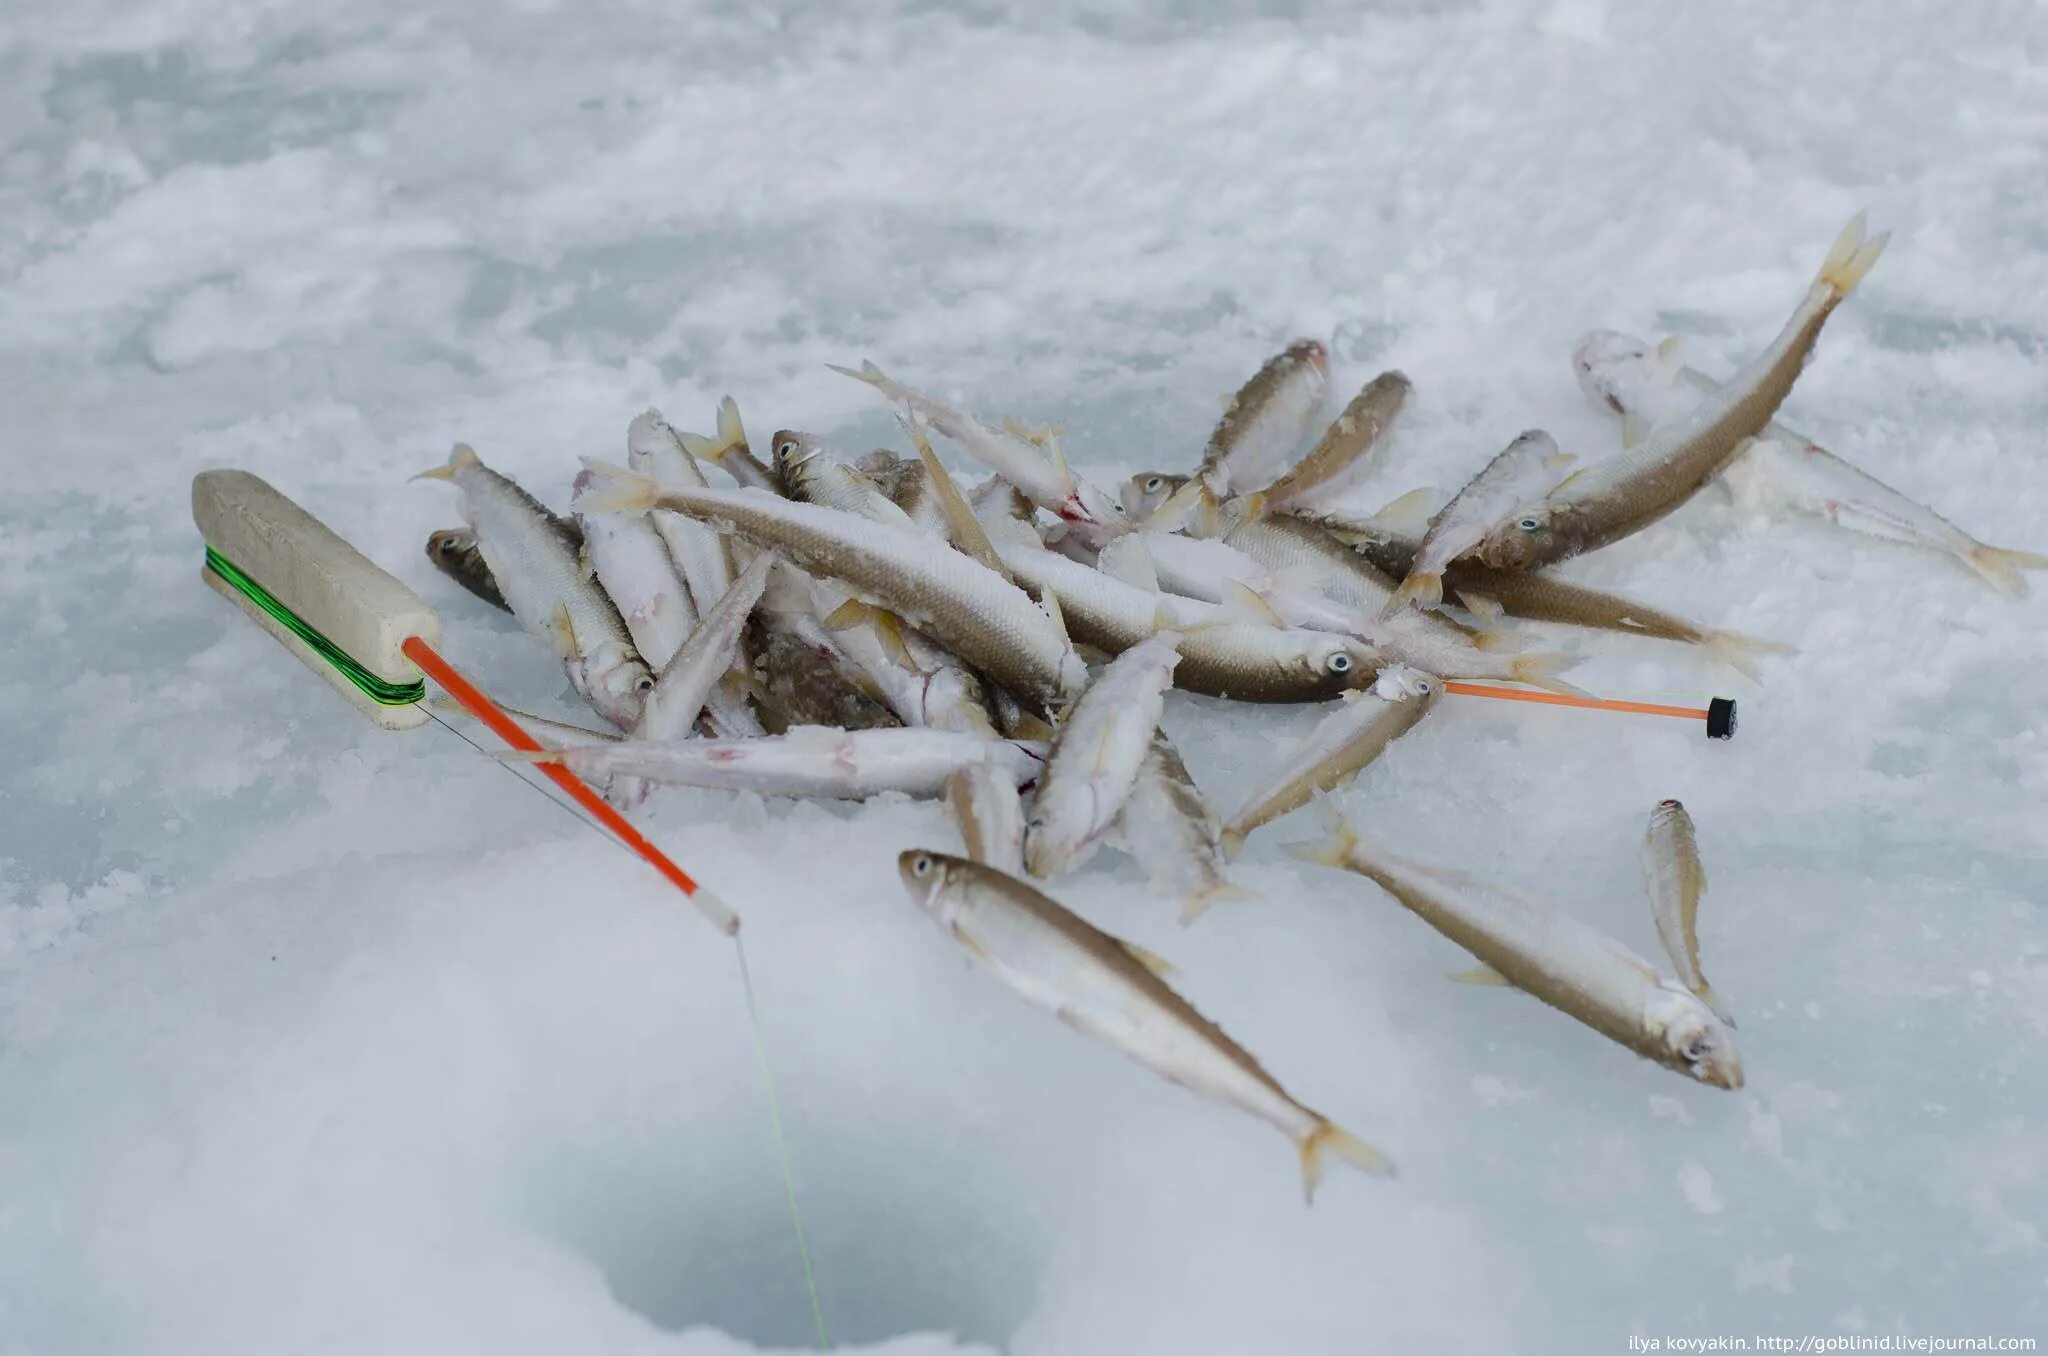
{"x": 316, "y": 1038}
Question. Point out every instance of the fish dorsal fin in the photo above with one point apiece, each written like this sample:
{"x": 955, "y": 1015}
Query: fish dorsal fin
{"x": 1058, "y": 455}
{"x": 1407, "y": 515}
{"x": 1483, "y": 976}
{"x": 1151, "y": 960}
{"x": 1245, "y": 605}
{"x": 1128, "y": 559}
{"x": 888, "y": 628}
{"x": 1634, "y": 428}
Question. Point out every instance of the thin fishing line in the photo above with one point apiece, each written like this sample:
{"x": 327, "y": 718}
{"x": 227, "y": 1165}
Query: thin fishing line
{"x": 379, "y": 690}
{"x": 796, "y": 1217}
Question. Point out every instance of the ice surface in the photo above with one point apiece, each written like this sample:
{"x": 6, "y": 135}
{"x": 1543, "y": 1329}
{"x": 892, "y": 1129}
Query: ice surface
{"x": 315, "y": 1038}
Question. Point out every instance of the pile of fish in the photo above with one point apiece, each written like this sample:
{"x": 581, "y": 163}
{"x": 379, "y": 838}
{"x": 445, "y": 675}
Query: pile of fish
{"x": 843, "y": 626}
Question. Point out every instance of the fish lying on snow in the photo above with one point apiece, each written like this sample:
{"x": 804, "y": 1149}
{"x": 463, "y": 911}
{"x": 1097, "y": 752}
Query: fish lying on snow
{"x": 635, "y": 569}
{"x": 1538, "y": 596}
{"x": 817, "y": 474}
{"x": 729, "y": 452}
{"x": 704, "y": 658}
{"x": 1264, "y": 422}
{"x": 1304, "y": 551}
{"x": 1523, "y": 472}
{"x": 808, "y": 760}
{"x": 1567, "y": 964}
{"x": 1650, "y": 386}
{"x": 1342, "y": 456}
{"x": 984, "y": 804}
{"x": 454, "y": 553}
{"x": 702, "y": 555}
{"x": 1224, "y": 651}
{"x": 1624, "y": 494}
{"x": 1338, "y": 749}
{"x": 1108, "y": 989}
{"x": 1102, "y": 742}
{"x": 1676, "y": 880}
{"x": 1041, "y": 472}
{"x": 543, "y": 579}
{"x": 1173, "y": 835}
{"x": 965, "y": 606}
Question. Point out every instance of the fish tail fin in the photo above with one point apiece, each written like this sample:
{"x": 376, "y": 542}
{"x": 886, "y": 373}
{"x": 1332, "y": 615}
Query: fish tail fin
{"x": 2001, "y": 568}
{"x": 463, "y": 457}
{"x": 1851, "y": 256}
{"x": 1335, "y": 849}
{"x": 616, "y": 490}
{"x": 731, "y": 436}
{"x": 1198, "y": 903}
{"x": 1705, "y": 993}
{"x": 1741, "y": 652}
{"x": 1330, "y": 1138}
{"x": 1232, "y": 839}
{"x": 1541, "y": 670}
{"x": 867, "y": 372}
{"x": 1423, "y": 588}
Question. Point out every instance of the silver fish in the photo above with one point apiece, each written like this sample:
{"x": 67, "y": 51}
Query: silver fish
{"x": 1676, "y": 880}
{"x": 1173, "y": 835}
{"x": 454, "y": 553}
{"x": 1102, "y": 742}
{"x": 1040, "y": 471}
{"x": 965, "y": 606}
{"x": 1338, "y": 749}
{"x": 702, "y": 555}
{"x": 808, "y": 760}
{"x": 985, "y": 805}
{"x": 1263, "y": 423}
{"x": 1302, "y": 550}
{"x": 705, "y": 656}
{"x": 1648, "y": 386}
{"x": 548, "y": 588}
{"x": 1572, "y": 967}
{"x": 1342, "y": 456}
{"x": 1523, "y": 472}
{"x": 1622, "y": 495}
{"x": 816, "y": 473}
{"x": 635, "y": 570}
{"x": 1225, "y": 651}
{"x": 1144, "y": 494}
{"x": 1538, "y": 596}
{"x": 1106, "y": 988}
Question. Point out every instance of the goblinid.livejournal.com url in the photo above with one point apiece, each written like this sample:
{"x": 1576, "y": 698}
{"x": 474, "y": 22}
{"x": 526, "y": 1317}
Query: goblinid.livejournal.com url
{"x": 1829, "y": 1344}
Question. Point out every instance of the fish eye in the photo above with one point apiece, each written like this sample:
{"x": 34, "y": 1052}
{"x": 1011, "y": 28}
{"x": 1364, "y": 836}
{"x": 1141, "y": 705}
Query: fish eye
{"x": 1422, "y": 686}
{"x": 1339, "y": 663}
{"x": 1698, "y": 1048}
{"x": 1119, "y": 509}
{"x": 1529, "y": 524}
{"x": 786, "y": 448}
{"x": 1153, "y": 484}
{"x": 644, "y": 684}
{"x": 1037, "y": 823}
{"x": 920, "y": 866}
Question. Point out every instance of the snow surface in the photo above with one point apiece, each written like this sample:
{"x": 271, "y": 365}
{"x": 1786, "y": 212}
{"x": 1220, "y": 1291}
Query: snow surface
{"x": 315, "y": 1038}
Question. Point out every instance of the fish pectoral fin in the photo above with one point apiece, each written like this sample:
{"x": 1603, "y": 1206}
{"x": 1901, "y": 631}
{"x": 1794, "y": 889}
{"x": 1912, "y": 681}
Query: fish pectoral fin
{"x": 1243, "y": 604}
{"x": 972, "y": 947}
{"x": 1483, "y": 976}
{"x": 1634, "y": 428}
{"x": 1127, "y": 559}
{"x": 1407, "y": 515}
{"x": 1157, "y": 964}
{"x": 1482, "y": 606}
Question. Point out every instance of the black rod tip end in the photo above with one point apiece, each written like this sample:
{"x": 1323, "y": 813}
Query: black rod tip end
{"x": 1721, "y": 718}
